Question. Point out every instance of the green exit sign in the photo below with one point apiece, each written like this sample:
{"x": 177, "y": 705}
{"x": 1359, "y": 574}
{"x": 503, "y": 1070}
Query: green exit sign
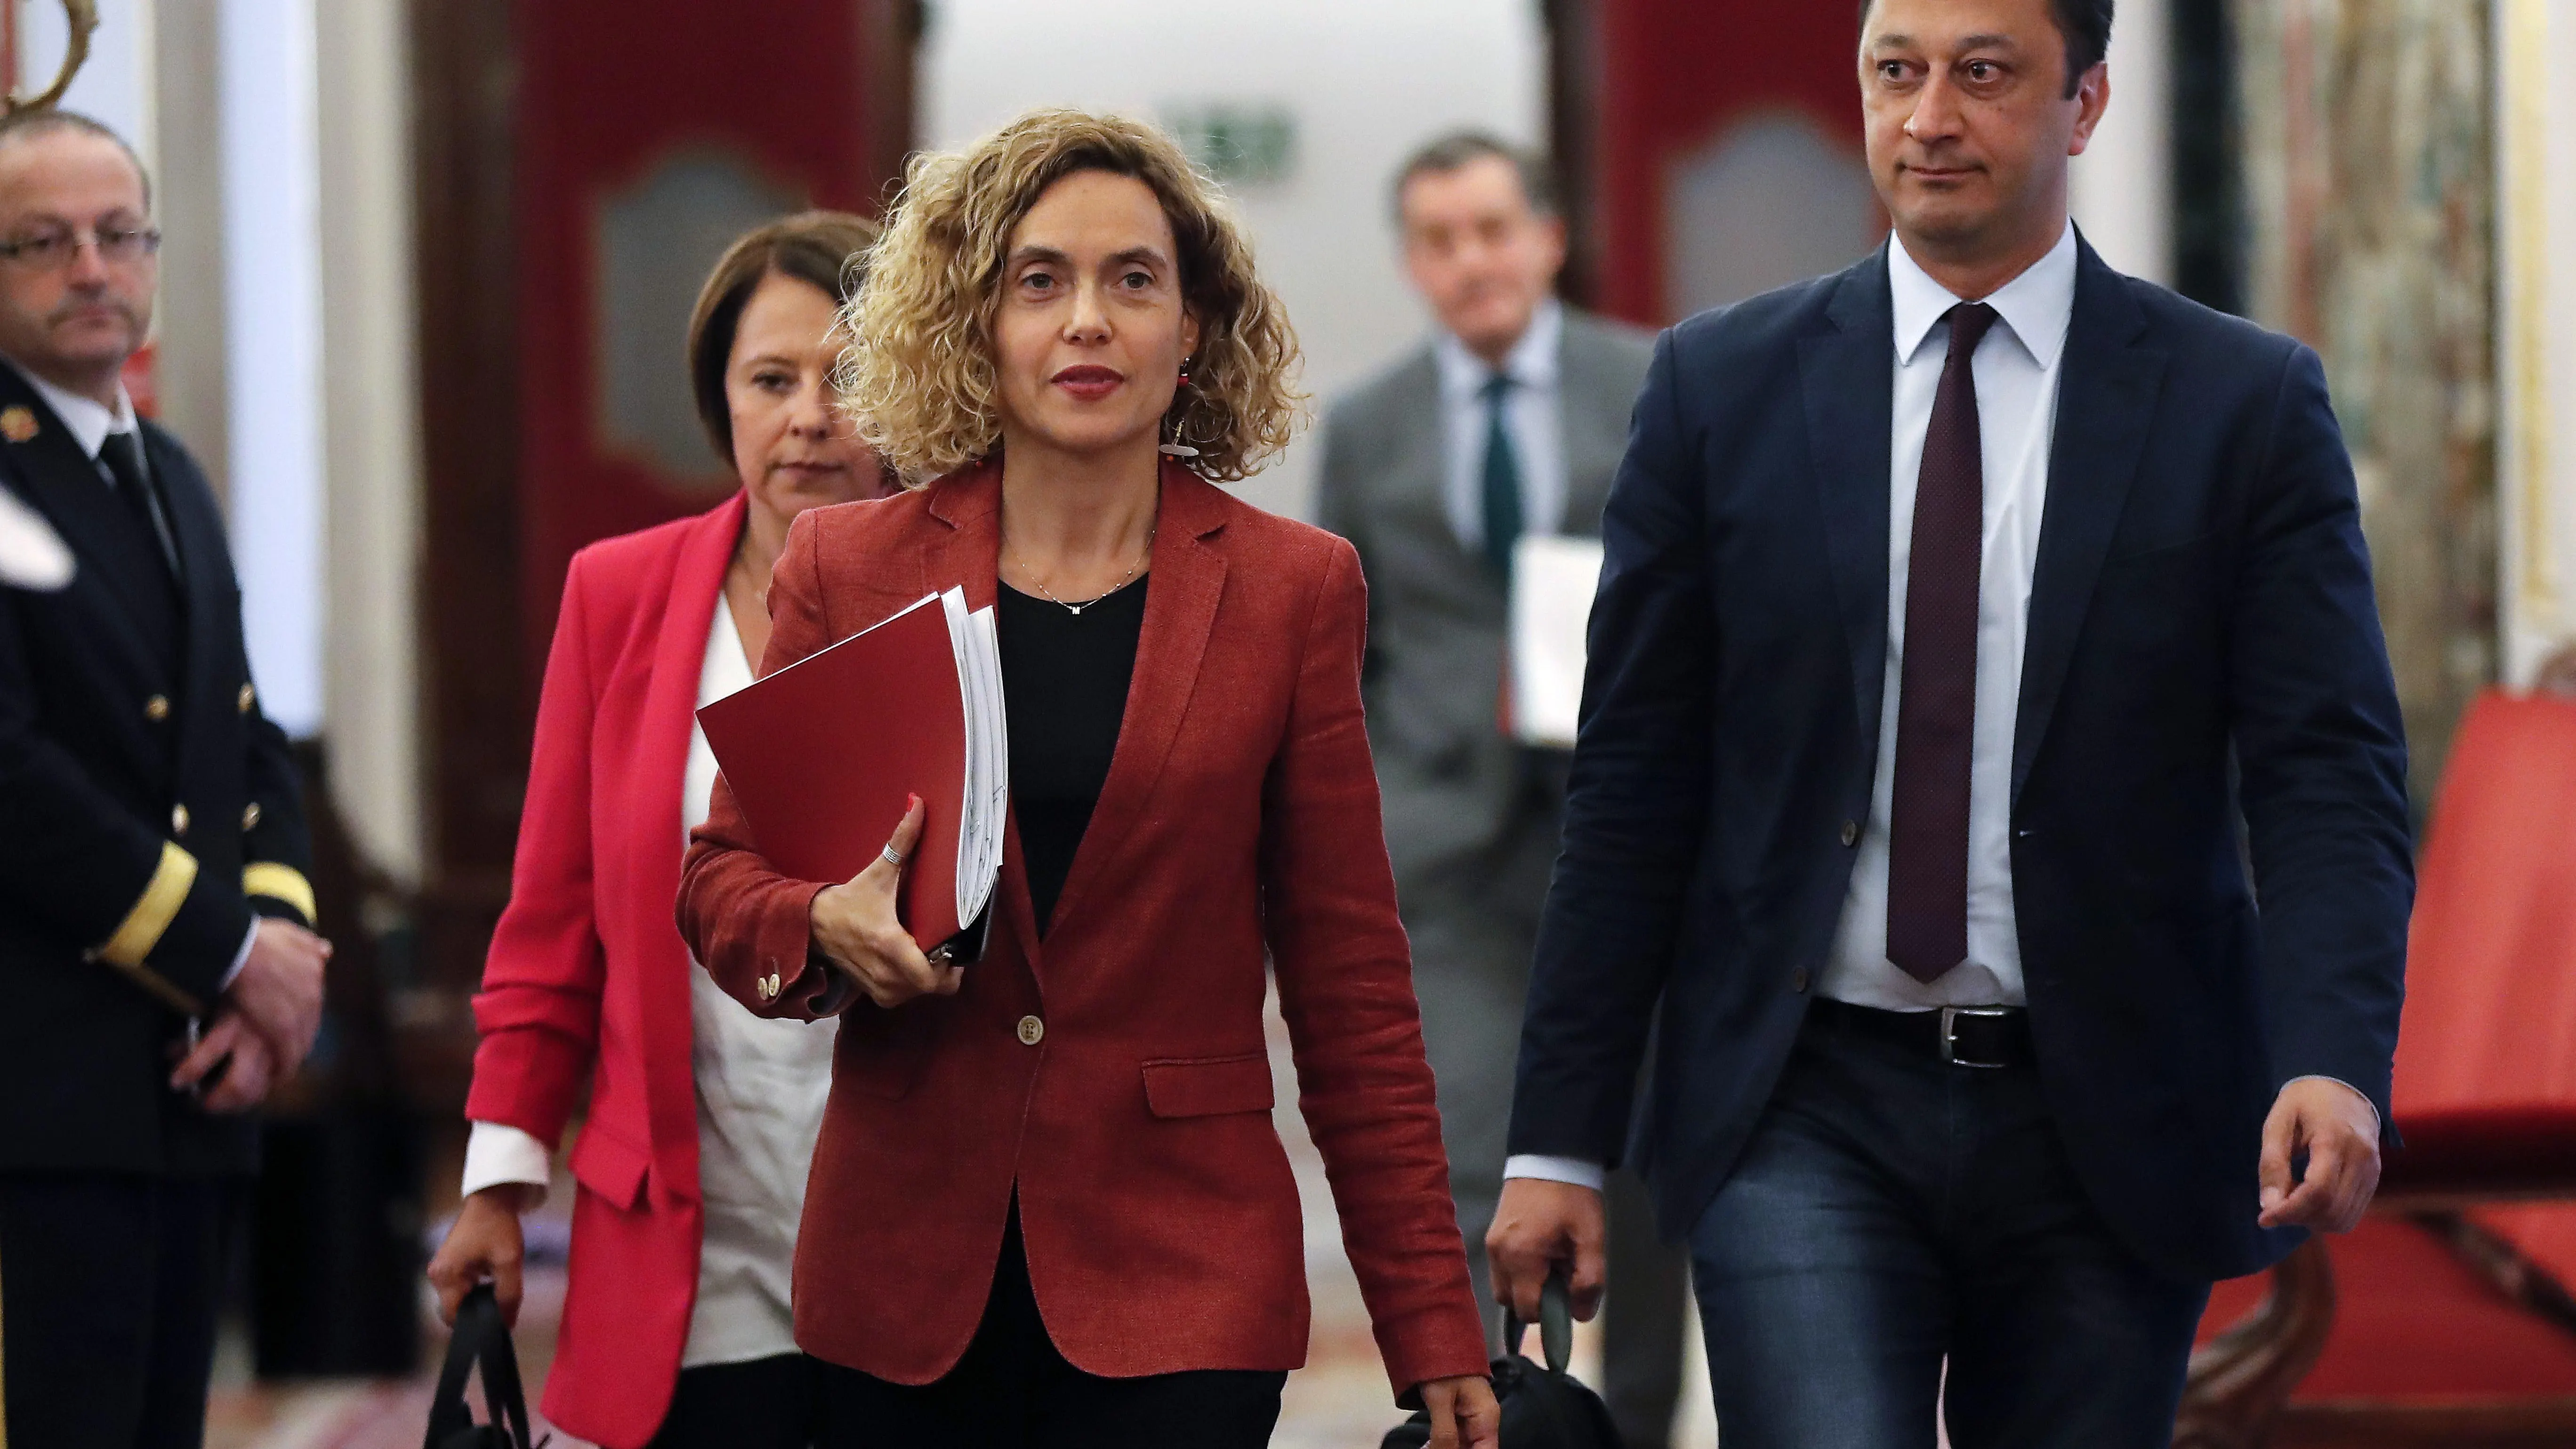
{"x": 1239, "y": 145}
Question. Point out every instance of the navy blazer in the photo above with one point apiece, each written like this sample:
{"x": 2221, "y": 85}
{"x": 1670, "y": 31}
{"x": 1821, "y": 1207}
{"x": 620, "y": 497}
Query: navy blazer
{"x": 2203, "y": 653}
{"x": 148, "y": 809}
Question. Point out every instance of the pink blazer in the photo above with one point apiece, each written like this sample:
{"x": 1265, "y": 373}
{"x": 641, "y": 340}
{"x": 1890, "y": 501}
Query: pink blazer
{"x": 587, "y": 977}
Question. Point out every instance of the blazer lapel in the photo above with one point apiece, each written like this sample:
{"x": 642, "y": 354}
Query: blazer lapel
{"x": 695, "y": 591}
{"x": 2106, "y": 396}
{"x": 967, "y": 555}
{"x": 61, "y": 482}
{"x": 1187, "y": 579}
{"x": 1849, "y": 377}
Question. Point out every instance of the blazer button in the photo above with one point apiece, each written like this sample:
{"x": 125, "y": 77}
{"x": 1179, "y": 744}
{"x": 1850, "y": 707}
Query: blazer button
{"x": 178, "y": 819}
{"x": 1798, "y": 981}
{"x": 244, "y": 700}
{"x": 1032, "y": 1031}
{"x": 250, "y": 816}
{"x": 157, "y": 708}
{"x": 1851, "y": 832}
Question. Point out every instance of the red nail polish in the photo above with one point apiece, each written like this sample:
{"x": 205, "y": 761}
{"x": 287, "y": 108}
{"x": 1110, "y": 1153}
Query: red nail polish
{"x": 911, "y": 803}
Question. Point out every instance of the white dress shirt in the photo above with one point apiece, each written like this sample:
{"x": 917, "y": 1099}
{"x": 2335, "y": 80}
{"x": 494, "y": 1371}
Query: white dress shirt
{"x": 1530, "y": 418}
{"x": 761, "y": 1085}
{"x": 91, "y": 425}
{"x": 2016, "y": 369}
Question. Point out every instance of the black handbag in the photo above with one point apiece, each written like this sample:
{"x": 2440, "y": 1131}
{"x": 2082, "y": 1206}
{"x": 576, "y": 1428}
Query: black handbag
{"x": 1543, "y": 1407}
{"x": 481, "y": 1338}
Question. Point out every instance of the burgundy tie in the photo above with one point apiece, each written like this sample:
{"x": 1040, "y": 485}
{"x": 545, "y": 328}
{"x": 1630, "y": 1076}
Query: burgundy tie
{"x": 1936, "y": 704}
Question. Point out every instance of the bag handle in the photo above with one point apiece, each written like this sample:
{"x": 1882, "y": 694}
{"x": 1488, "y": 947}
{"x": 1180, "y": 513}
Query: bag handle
{"x": 1555, "y": 1324}
{"x": 480, "y": 1337}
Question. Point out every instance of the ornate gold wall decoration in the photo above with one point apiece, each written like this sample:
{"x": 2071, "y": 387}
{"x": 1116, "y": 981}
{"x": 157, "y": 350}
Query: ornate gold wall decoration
{"x": 80, "y": 17}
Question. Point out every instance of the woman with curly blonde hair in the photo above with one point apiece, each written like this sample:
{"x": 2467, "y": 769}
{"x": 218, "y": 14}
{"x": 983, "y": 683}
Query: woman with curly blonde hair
{"x": 1049, "y": 1207}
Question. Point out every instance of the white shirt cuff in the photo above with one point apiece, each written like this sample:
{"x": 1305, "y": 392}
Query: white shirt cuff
{"x": 496, "y": 1153}
{"x": 241, "y": 957}
{"x": 2349, "y": 1087}
{"x": 1572, "y": 1171}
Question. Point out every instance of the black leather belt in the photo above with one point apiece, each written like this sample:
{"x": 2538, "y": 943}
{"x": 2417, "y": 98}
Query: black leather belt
{"x": 1987, "y": 1037}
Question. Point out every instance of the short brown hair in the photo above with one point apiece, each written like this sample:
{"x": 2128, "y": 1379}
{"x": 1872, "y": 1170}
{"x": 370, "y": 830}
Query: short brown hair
{"x": 919, "y": 371}
{"x": 35, "y": 121}
{"x": 826, "y": 248}
{"x": 1444, "y": 154}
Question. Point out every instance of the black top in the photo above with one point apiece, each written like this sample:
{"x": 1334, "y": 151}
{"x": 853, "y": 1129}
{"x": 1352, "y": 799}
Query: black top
{"x": 1064, "y": 686}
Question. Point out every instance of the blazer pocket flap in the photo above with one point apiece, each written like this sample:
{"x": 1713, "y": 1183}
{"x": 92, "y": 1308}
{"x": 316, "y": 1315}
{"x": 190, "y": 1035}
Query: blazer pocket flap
{"x": 1209, "y": 1086}
{"x": 610, "y": 1166}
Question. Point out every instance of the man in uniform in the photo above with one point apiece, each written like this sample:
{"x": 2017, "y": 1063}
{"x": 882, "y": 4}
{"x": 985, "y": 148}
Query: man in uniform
{"x": 1509, "y": 422}
{"x": 157, "y": 966}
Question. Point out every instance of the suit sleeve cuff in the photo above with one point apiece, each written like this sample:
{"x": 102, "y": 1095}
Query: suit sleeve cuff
{"x": 1572, "y": 1171}
{"x": 177, "y": 938}
{"x": 266, "y": 881}
{"x": 497, "y": 1153}
{"x": 2375, "y": 1122}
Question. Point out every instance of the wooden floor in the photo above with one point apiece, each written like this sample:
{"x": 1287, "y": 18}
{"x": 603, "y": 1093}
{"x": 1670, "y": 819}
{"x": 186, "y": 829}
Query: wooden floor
{"x": 1338, "y": 1401}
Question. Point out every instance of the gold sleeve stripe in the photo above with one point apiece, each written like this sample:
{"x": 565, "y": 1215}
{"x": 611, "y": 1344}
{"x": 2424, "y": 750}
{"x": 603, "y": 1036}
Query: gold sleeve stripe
{"x": 281, "y": 883}
{"x": 160, "y": 988}
{"x": 142, "y": 927}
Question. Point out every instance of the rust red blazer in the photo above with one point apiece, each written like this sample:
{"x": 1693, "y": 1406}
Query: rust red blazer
{"x": 587, "y": 979}
{"x": 1239, "y": 821}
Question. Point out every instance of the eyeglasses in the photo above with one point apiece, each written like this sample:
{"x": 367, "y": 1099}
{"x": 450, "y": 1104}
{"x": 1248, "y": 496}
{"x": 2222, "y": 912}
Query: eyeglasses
{"x": 47, "y": 251}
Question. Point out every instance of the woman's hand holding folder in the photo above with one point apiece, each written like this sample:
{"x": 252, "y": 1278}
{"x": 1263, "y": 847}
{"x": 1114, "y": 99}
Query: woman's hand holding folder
{"x": 855, "y": 928}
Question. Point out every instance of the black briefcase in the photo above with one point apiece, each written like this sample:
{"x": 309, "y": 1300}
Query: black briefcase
{"x": 481, "y": 1338}
{"x": 1543, "y": 1407}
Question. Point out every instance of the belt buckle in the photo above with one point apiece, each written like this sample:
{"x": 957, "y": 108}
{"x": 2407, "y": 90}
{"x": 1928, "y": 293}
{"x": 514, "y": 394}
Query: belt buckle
{"x": 1950, "y": 1034}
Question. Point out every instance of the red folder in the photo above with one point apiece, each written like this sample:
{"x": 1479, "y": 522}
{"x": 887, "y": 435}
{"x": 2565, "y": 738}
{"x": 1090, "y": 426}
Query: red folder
{"x": 823, "y": 755}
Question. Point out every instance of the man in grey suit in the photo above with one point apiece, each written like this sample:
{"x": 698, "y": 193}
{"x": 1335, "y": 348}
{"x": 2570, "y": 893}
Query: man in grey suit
{"x": 1509, "y": 422}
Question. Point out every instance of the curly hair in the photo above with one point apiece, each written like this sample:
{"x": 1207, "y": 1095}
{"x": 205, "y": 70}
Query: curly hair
{"x": 919, "y": 375}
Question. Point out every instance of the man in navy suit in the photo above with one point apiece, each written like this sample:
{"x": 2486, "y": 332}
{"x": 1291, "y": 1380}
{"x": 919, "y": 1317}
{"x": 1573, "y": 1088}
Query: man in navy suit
{"x": 1983, "y": 635}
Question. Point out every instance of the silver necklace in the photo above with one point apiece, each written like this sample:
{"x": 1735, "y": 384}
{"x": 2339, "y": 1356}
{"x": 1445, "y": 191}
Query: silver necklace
{"x": 1124, "y": 580}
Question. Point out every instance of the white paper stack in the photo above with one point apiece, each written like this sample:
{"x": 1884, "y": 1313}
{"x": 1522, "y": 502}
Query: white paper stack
{"x": 1553, "y": 580}
{"x": 988, "y": 753}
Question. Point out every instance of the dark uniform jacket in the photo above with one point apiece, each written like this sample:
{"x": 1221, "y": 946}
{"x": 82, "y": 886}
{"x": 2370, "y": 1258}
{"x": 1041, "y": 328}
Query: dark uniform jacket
{"x": 147, "y": 810}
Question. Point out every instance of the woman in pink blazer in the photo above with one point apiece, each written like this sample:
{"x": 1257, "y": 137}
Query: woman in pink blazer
{"x": 691, "y": 1165}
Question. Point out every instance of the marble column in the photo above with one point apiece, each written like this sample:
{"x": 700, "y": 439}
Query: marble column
{"x": 2370, "y": 193}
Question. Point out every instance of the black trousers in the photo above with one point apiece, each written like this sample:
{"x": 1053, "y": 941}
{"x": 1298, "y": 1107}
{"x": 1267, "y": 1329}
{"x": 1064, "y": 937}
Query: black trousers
{"x": 1012, "y": 1390}
{"x": 108, "y": 1290}
{"x": 761, "y": 1403}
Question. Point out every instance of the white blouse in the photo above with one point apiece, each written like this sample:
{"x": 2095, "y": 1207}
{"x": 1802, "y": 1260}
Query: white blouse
{"x": 761, "y": 1085}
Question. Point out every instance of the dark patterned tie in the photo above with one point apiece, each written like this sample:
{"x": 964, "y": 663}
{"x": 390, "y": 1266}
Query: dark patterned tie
{"x": 1936, "y": 705}
{"x": 1502, "y": 480}
{"x": 123, "y": 455}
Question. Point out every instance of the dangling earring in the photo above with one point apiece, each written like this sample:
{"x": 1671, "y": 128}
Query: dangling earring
{"x": 1176, "y": 448}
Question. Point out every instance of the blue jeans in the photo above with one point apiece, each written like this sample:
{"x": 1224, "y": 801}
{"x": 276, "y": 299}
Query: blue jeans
{"x": 1894, "y": 1214}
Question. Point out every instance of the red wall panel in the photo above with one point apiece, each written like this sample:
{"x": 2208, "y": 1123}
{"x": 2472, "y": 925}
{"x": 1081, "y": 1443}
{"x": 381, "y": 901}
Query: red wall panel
{"x": 1675, "y": 73}
{"x": 609, "y": 90}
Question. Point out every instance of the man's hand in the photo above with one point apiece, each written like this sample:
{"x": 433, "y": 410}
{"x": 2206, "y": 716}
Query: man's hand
{"x": 279, "y": 990}
{"x": 1463, "y": 1413}
{"x": 485, "y": 1243}
{"x": 1540, "y": 1226}
{"x": 249, "y": 1066}
{"x": 2339, "y": 1130}
{"x": 855, "y": 928}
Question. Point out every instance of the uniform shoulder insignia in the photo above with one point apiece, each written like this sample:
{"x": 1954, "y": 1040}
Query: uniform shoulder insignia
{"x": 17, "y": 424}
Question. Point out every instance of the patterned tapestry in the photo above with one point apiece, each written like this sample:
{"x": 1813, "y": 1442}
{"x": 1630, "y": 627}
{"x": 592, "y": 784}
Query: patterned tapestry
{"x": 2370, "y": 192}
